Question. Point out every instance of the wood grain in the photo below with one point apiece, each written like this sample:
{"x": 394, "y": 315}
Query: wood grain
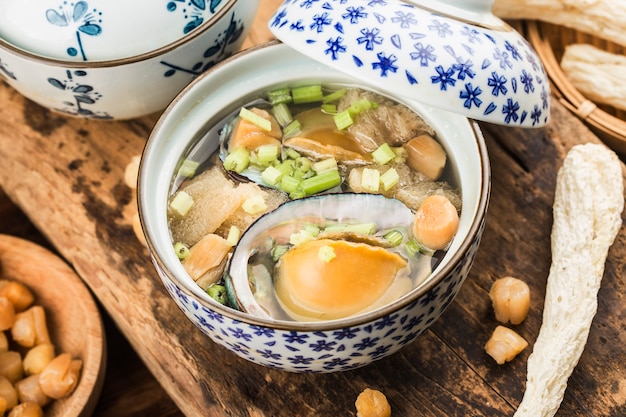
{"x": 67, "y": 176}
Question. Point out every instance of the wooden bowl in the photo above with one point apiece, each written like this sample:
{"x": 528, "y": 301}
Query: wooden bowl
{"x": 550, "y": 41}
{"x": 73, "y": 319}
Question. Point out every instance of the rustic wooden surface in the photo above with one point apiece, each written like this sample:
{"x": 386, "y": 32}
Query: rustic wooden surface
{"x": 66, "y": 176}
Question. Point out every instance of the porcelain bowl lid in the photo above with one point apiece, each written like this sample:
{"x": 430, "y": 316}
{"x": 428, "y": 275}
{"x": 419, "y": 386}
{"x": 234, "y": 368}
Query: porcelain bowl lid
{"x": 454, "y": 55}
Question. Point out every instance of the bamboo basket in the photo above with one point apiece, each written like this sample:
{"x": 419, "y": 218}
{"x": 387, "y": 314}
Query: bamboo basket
{"x": 550, "y": 40}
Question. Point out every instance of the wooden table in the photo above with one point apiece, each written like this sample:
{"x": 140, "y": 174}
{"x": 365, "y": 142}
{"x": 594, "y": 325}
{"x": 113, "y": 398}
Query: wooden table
{"x": 66, "y": 177}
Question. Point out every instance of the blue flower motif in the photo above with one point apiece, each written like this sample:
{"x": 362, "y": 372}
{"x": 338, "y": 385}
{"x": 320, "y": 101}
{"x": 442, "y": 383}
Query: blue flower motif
{"x": 444, "y": 77}
{"x": 295, "y": 337}
{"x": 472, "y": 35}
{"x": 297, "y": 26}
{"x": 307, "y": 4}
{"x": 335, "y": 47}
{"x": 366, "y": 343}
{"x": 377, "y": 3}
{"x": 268, "y": 354}
{"x": 386, "y": 321}
{"x": 536, "y": 115}
{"x": 380, "y": 351}
{"x": 405, "y": 20}
{"x": 262, "y": 331}
{"x": 513, "y": 50}
{"x": 354, "y": 14}
{"x": 464, "y": 69}
{"x": 336, "y": 362}
{"x": 238, "y": 333}
{"x": 84, "y": 21}
{"x": 527, "y": 80}
{"x": 442, "y": 29}
{"x": 503, "y": 58}
{"x": 319, "y": 22}
{"x": 510, "y": 110}
{"x": 385, "y": 64}
{"x": 322, "y": 345}
{"x": 370, "y": 38}
{"x": 300, "y": 360}
{"x": 498, "y": 82}
{"x": 470, "y": 95}
{"x": 424, "y": 54}
{"x": 347, "y": 333}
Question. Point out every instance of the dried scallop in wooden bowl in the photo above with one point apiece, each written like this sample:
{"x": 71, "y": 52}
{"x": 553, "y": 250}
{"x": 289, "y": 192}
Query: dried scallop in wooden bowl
{"x": 552, "y": 27}
{"x": 73, "y": 321}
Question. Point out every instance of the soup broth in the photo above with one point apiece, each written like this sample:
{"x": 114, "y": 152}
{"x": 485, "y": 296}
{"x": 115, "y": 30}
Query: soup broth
{"x": 298, "y": 143}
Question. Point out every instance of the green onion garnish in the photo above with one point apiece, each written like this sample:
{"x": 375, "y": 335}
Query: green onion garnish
{"x": 181, "y": 250}
{"x": 394, "y": 237}
{"x": 255, "y": 119}
{"x": 282, "y": 114}
{"x": 389, "y": 178}
{"x": 218, "y": 293}
{"x": 282, "y": 95}
{"x": 383, "y": 154}
{"x": 181, "y": 203}
{"x": 307, "y": 94}
{"x": 188, "y": 168}
{"x": 343, "y": 119}
{"x": 322, "y": 182}
{"x": 360, "y": 228}
{"x": 334, "y": 96}
{"x": 237, "y": 160}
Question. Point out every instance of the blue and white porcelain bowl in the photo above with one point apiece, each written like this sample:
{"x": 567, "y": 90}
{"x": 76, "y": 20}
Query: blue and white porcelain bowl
{"x": 453, "y": 54}
{"x": 128, "y": 87}
{"x": 101, "y": 30}
{"x": 325, "y": 346}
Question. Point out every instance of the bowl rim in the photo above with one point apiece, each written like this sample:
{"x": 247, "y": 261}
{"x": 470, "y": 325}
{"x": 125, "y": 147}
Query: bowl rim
{"x": 484, "y": 188}
{"x": 162, "y": 50}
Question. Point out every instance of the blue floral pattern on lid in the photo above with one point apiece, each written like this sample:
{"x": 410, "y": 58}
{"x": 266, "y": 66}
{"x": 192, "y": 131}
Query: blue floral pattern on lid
{"x": 486, "y": 74}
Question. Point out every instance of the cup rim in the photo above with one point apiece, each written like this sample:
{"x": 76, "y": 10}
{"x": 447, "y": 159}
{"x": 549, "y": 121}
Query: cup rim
{"x": 162, "y": 266}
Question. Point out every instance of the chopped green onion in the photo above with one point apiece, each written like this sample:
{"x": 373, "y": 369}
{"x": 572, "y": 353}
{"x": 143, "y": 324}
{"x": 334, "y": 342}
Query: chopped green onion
{"x": 188, "y": 168}
{"x": 267, "y": 154}
{"x": 326, "y": 253}
{"x": 181, "y": 203}
{"x": 282, "y": 114}
{"x": 414, "y": 248}
{"x": 289, "y": 184}
{"x": 370, "y": 180}
{"x": 312, "y": 228}
{"x": 181, "y": 250}
{"x": 324, "y": 165}
{"x": 292, "y": 129}
{"x": 383, "y": 154}
{"x": 303, "y": 163}
{"x": 307, "y": 94}
{"x": 292, "y": 153}
{"x": 394, "y": 237}
{"x": 237, "y": 160}
{"x": 361, "y": 228}
{"x": 334, "y": 96}
{"x": 286, "y": 167}
{"x": 300, "y": 237}
{"x": 360, "y": 106}
{"x": 389, "y": 178}
{"x": 282, "y": 95}
{"x": 297, "y": 193}
{"x": 321, "y": 182}
{"x": 343, "y": 119}
{"x": 218, "y": 293}
{"x": 329, "y": 108}
{"x": 255, "y": 119}
{"x": 233, "y": 235}
{"x": 271, "y": 176}
{"x": 278, "y": 251}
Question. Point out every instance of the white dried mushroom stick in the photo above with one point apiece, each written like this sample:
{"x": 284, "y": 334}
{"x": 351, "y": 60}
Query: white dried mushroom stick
{"x": 597, "y": 74}
{"x": 605, "y": 19}
{"x": 588, "y": 203}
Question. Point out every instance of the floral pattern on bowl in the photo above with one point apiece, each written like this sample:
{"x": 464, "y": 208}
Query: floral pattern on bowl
{"x": 332, "y": 349}
{"x": 125, "y": 89}
{"x": 482, "y": 73}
